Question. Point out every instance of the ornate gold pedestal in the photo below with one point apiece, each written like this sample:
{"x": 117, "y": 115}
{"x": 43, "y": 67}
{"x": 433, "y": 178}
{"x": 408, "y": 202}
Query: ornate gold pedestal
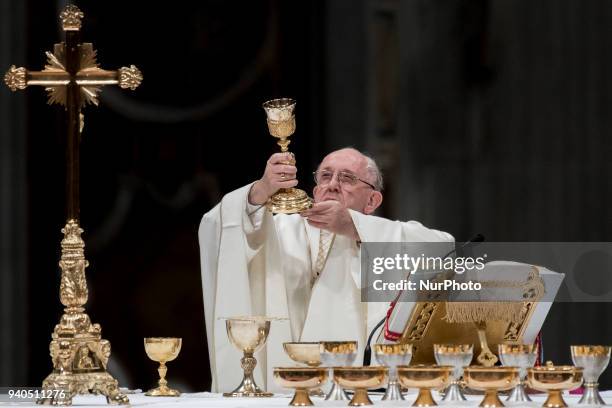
{"x": 78, "y": 352}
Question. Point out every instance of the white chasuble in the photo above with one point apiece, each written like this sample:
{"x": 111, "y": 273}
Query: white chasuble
{"x": 263, "y": 265}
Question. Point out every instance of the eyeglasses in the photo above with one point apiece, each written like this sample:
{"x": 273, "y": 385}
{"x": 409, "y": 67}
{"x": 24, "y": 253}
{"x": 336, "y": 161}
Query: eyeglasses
{"x": 324, "y": 177}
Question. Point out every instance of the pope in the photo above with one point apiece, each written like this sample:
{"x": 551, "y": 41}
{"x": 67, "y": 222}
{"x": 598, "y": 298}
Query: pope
{"x": 304, "y": 267}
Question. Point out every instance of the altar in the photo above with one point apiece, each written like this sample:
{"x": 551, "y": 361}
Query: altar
{"x": 214, "y": 400}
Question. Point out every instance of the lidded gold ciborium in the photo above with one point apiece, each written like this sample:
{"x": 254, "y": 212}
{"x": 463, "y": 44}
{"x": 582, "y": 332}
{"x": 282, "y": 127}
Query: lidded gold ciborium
{"x": 248, "y": 334}
{"x": 281, "y": 124}
{"x": 554, "y": 380}
{"x": 425, "y": 378}
{"x": 162, "y": 350}
{"x": 360, "y": 379}
{"x": 594, "y": 360}
{"x": 491, "y": 380}
{"x": 301, "y": 379}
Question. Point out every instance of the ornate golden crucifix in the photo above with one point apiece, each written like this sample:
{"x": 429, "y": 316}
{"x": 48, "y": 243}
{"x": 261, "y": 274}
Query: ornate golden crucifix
{"x": 73, "y": 79}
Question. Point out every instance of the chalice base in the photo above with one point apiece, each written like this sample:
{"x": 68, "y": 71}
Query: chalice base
{"x": 453, "y": 393}
{"x": 162, "y": 391}
{"x": 554, "y": 400}
{"x": 491, "y": 400}
{"x": 248, "y": 389}
{"x": 336, "y": 394}
{"x": 518, "y": 394}
{"x": 69, "y": 385}
{"x": 591, "y": 396}
{"x": 424, "y": 399}
{"x": 301, "y": 399}
{"x": 360, "y": 398}
{"x": 393, "y": 393}
{"x": 289, "y": 201}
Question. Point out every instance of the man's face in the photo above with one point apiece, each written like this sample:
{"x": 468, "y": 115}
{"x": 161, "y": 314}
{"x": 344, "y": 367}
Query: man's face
{"x": 358, "y": 196}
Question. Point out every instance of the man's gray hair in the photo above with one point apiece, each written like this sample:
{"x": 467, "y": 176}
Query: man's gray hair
{"x": 374, "y": 172}
{"x": 371, "y": 167}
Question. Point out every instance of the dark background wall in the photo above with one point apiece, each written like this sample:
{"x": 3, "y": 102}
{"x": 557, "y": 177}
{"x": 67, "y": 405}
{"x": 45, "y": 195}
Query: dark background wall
{"x": 486, "y": 116}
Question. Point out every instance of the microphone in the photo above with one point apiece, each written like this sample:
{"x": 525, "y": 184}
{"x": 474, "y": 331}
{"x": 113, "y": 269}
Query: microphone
{"x": 367, "y": 352}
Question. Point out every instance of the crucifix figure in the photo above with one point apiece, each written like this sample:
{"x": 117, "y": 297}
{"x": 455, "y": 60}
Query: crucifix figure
{"x": 73, "y": 79}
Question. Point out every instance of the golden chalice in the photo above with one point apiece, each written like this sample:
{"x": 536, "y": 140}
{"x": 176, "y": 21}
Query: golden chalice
{"x": 490, "y": 380}
{"x": 554, "y": 380}
{"x": 337, "y": 354}
{"x": 248, "y": 334}
{"x": 458, "y": 356}
{"x": 594, "y": 360}
{"x": 425, "y": 378}
{"x": 162, "y": 350}
{"x": 307, "y": 353}
{"x": 302, "y": 379}
{"x": 360, "y": 379}
{"x": 392, "y": 356}
{"x": 281, "y": 124}
{"x": 522, "y": 356}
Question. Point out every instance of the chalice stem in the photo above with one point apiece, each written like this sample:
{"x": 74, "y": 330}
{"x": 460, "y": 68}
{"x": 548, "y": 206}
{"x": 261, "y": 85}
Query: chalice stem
{"x": 248, "y": 363}
{"x": 162, "y": 370}
{"x": 394, "y": 392}
{"x": 591, "y": 395}
{"x": 518, "y": 394}
{"x": 453, "y": 393}
{"x": 284, "y": 144}
{"x": 336, "y": 393}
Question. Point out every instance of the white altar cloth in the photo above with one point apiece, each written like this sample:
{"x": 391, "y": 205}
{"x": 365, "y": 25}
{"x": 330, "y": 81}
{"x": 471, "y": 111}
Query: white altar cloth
{"x": 210, "y": 400}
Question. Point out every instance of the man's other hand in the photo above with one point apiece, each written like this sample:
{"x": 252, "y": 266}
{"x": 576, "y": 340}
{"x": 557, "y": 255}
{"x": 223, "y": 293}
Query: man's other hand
{"x": 280, "y": 173}
{"x": 332, "y": 216}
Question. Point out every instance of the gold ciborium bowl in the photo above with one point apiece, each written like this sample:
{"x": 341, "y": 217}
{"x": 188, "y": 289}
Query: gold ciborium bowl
{"x": 425, "y": 378}
{"x": 360, "y": 379}
{"x": 491, "y": 380}
{"x": 307, "y": 353}
{"x": 304, "y": 352}
{"x": 554, "y": 380}
{"x": 248, "y": 334}
{"x": 337, "y": 354}
{"x": 162, "y": 350}
{"x": 301, "y": 379}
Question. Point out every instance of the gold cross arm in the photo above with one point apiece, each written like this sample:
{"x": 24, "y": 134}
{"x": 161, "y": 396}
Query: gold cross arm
{"x": 20, "y": 78}
{"x": 89, "y": 78}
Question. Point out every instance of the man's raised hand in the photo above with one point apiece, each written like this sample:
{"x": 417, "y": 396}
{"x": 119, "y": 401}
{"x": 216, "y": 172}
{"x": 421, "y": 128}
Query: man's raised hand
{"x": 331, "y": 216}
{"x": 280, "y": 173}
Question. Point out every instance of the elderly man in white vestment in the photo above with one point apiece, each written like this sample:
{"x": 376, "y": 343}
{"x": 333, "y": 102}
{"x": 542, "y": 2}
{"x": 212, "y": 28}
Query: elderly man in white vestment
{"x": 303, "y": 267}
